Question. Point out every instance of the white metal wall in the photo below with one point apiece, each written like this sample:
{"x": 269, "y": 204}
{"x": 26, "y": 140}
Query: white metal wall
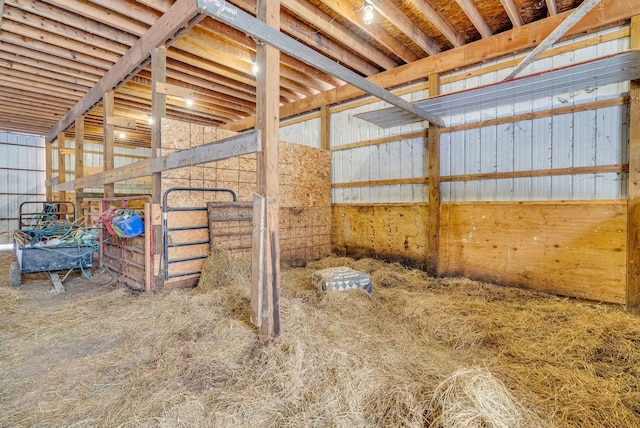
{"x": 22, "y": 173}
{"x": 122, "y": 157}
{"x": 393, "y": 160}
{"x": 588, "y": 138}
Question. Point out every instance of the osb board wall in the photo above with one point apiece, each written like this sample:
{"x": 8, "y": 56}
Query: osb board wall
{"x": 394, "y": 232}
{"x": 304, "y": 187}
{"x": 572, "y": 249}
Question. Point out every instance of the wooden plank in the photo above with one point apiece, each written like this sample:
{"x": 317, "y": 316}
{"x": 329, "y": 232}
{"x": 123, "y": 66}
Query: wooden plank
{"x": 432, "y": 165}
{"x": 497, "y": 46}
{"x": 512, "y": 11}
{"x": 391, "y": 231}
{"x": 325, "y": 128}
{"x": 376, "y": 141}
{"x": 576, "y": 15}
{"x": 257, "y": 262}
{"x": 241, "y": 144}
{"x": 62, "y": 167}
{"x": 179, "y": 18}
{"x": 540, "y": 114}
{"x": 121, "y": 122}
{"x": 236, "y": 145}
{"x": 267, "y": 108}
{"x": 242, "y": 21}
{"x": 79, "y": 163}
{"x": 158, "y": 113}
{"x": 571, "y": 249}
{"x": 632, "y": 295}
{"x": 174, "y": 90}
{"x": 48, "y": 170}
{"x": 552, "y": 8}
{"x": 57, "y": 284}
{"x": 475, "y": 17}
{"x": 108, "y": 139}
{"x": 387, "y": 182}
{"x": 538, "y": 173}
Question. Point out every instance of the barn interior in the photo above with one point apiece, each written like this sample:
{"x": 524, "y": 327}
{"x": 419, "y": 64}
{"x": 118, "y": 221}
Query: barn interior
{"x": 478, "y": 159}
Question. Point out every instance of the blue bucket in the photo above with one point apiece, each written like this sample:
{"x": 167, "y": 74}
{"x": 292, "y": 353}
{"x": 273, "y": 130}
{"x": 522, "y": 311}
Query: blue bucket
{"x": 128, "y": 225}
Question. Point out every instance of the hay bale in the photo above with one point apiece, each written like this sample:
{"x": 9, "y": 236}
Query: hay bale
{"x": 470, "y": 398}
{"x": 221, "y": 269}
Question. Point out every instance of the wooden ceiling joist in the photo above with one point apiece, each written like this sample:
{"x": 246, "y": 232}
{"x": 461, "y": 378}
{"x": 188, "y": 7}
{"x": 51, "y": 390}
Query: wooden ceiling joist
{"x": 476, "y": 17}
{"x": 165, "y": 29}
{"x": 440, "y": 23}
{"x": 245, "y": 22}
{"x": 512, "y": 11}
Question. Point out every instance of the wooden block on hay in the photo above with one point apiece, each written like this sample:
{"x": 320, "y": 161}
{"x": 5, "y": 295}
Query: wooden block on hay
{"x": 341, "y": 278}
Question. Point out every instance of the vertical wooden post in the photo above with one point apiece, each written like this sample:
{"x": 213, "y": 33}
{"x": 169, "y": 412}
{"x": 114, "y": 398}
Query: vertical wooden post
{"x": 48, "y": 160}
{"x": 108, "y": 140}
{"x": 79, "y": 164}
{"x": 158, "y": 111}
{"x": 268, "y": 118}
{"x": 62, "y": 168}
{"x": 633, "y": 197}
{"x": 433, "y": 173}
{"x": 325, "y": 128}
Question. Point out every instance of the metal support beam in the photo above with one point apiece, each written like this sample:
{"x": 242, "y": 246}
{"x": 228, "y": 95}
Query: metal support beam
{"x": 242, "y": 21}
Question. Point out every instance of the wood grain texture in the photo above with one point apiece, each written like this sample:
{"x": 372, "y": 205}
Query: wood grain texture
{"x": 572, "y": 249}
{"x": 395, "y": 232}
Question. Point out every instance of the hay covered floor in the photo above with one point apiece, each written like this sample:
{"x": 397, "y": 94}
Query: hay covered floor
{"x": 104, "y": 356}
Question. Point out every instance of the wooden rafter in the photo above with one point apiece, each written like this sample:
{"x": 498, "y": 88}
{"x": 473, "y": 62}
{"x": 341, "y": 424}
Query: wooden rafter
{"x": 439, "y": 22}
{"x": 166, "y": 28}
{"x": 324, "y": 22}
{"x": 344, "y": 9}
{"x": 394, "y": 15}
{"x": 552, "y": 7}
{"x": 476, "y": 17}
{"x": 512, "y": 11}
{"x": 245, "y": 22}
{"x": 576, "y": 15}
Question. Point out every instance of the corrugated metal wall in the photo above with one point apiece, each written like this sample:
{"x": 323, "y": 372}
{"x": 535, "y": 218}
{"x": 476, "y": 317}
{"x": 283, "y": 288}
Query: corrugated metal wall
{"x": 22, "y": 174}
{"x": 93, "y": 161}
{"x": 589, "y": 138}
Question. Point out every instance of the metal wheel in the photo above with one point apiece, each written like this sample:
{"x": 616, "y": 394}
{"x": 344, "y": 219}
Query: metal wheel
{"x": 15, "y": 274}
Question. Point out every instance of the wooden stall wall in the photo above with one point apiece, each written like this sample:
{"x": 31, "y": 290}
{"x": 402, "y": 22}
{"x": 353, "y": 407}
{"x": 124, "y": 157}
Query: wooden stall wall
{"x": 305, "y": 193}
{"x": 394, "y": 232}
{"x": 573, "y": 249}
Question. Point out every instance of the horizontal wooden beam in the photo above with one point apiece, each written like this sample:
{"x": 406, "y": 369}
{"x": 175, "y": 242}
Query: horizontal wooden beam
{"x": 178, "y": 19}
{"x": 121, "y": 122}
{"x": 389, "y": 182}
{"x": 241, "y": 144}
{"x": 377, "y": 141}
{"x": 597, "y": 169}
{"x": 173, "y": 90}
{"x": 240, "y": 20}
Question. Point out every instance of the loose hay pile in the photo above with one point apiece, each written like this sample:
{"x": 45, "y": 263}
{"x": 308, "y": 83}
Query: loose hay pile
{"x": 344, "y": 359}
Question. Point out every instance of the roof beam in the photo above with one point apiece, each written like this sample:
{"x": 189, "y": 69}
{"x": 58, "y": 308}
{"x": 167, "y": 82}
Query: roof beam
{"x": 571, "y": 20}
{"x": 552, "y": 8}
{"x": 401, "y": 21}
{"x": 1, "y": 10}
{"x": 476, "y": 17}
{"x": 324, "y": 22}
{"x": 166, "y": 29}
{"x": 512, "y": 11}
{"x": 440, "y": 23}
{"x": 345, "y": 9}
{"x": 244, "y": 22}
{"x": 497, "y": 46}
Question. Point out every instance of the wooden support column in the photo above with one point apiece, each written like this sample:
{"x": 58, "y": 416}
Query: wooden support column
{"x": 79, "y": 167}
{"x": 268, "y": 115}
{"x": 158, "y": 112}
{"x": 108, "y": 140}
{"x": 325, "y": 128}
{"x": 633, "y": 198}
{"x": 62, "y": 168}
{"x": 433, "y": 174}
{"x": 48, "y": 160}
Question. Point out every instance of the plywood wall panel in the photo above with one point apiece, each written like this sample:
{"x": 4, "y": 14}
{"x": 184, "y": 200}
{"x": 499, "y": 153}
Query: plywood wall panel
{"x": 396, "y": 232}
{"x": 569, "y": 249}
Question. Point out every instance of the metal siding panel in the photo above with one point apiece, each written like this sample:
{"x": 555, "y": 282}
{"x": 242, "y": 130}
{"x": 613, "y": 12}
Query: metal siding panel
{"x": 584, "y": 153}
{"x": 562, "y": 155}
{"x": 522, "y": 160}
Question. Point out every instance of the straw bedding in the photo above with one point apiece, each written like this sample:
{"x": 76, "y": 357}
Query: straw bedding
{"x": 418, "y": 352}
